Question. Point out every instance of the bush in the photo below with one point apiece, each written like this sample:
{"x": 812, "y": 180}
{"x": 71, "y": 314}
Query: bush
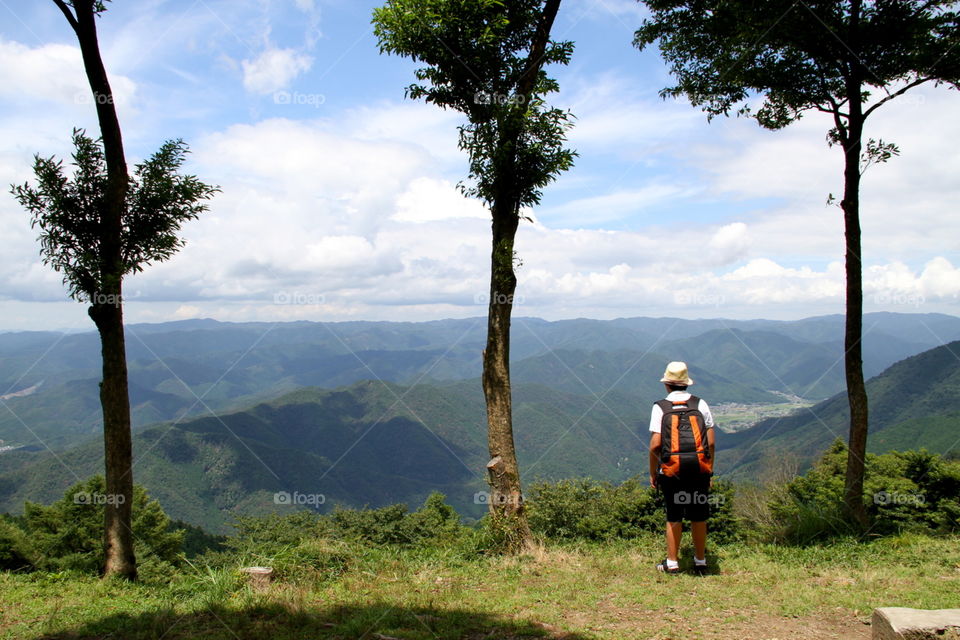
{"x": 435, "y": 523}
{"x": 68, "y": 534}
{"x": 277, "y": 536}
{"x": 196, "y": 540}
{"x": 903, "y": 491}
{"x": 15, "y": 548}
{"x": 306, "y": 546}
{"x": 581, "y": 508}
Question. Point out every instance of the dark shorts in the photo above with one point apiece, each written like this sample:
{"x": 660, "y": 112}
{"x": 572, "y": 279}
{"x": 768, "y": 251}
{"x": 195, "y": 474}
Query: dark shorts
{"x": 686, "y": 499}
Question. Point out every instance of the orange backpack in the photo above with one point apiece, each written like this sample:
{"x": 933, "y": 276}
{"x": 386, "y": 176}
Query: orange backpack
{"x": 684, "y": 452}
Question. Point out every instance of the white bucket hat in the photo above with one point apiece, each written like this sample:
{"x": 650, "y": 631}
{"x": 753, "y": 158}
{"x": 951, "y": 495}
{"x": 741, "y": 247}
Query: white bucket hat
{"x": 676, "y": 373}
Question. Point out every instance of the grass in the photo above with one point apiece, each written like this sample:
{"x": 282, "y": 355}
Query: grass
{"x": 571, "y": 592}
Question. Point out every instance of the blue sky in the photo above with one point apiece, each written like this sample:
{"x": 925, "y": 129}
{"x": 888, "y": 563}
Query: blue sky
{"x": 339, "y": 198}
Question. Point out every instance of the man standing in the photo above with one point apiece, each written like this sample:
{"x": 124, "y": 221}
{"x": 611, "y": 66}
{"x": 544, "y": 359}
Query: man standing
{"x": 681, "y": 464}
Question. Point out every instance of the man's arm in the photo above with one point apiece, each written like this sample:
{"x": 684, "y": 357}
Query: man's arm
{"x": 655, "y": 458}
{"x": 712, "y": 447}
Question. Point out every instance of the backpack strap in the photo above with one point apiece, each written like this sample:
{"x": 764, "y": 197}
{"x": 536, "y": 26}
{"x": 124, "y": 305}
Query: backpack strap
{"x": 665, "y": 405}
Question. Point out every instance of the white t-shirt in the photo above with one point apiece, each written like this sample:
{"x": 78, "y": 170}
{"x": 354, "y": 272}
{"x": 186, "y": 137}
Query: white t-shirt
{"x": 656, "y": 414}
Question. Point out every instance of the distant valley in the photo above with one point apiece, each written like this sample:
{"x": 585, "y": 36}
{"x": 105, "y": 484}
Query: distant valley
{"x": 227, "y": 416}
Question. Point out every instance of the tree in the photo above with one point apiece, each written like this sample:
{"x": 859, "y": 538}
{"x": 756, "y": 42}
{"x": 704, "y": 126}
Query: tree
{"x": 819, "y": 55}
{"x": 485, "y": 59}
{"x": 76, "y": 239}
{"x": 68, "y": 534}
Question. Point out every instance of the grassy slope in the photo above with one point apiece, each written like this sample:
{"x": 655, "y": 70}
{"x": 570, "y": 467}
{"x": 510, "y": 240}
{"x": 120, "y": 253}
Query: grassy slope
{"x": 565, "y": 592}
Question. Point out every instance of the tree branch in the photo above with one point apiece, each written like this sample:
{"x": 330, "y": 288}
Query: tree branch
{"x": 832, "y": 110}
{"x": 69, "y": 15}
{"x": 838, "y": 122}
{"x": 528, "y": 80}
{"x": 893, "y": 95}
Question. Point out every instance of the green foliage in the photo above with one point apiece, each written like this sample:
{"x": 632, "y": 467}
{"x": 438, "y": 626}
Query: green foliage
{"x": 801, "y": 57}
{"x": 68, "y": 534}
{"x": 196, "y": 540}
{"x": 305, "y": 546}
{"x": 479, "y": 60}
{"x": 877, "y": 152}
{"x": 69, "y": 212}
{"x": 581, "y": 508}
{"x": 435, "y": 523}
{"x": 904, "y": 491}
{"x": 15, "y": 547}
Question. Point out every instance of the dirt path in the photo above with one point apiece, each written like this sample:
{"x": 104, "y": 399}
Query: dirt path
{"x": 614, "y": 622}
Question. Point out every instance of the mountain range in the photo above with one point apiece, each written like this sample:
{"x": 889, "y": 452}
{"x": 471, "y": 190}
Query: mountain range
{"x": 231, "y": 418}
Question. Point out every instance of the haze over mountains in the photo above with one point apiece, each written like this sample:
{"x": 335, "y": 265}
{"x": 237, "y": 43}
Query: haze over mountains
{"x": 228, "y": 415}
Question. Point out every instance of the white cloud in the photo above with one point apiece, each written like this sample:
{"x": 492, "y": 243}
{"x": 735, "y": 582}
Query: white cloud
{"x": 52, "y": 72}
{"x": 273, "y": 70}
{"x": 728, "y": 244}
{"x": 352, "y": 211}
{"x": 905, "y": 212}
{"x": 610, "y": 207}
{"x": 429, "y": 200}
{"x": 614, "y": 116}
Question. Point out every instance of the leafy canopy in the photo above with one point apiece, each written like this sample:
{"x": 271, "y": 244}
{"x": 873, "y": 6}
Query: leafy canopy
{"x": 801, "y": 56}
{"x": 70, "y": 212}
{"x": 477, "y": 57}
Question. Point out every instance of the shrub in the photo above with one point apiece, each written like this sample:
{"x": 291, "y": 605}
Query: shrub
{"x": 68, "y": 534}
{"x": 581, "y": 508}
{"x": 435, "y": 523}
{"x": 903, "y": 491}
{"x": 196, "y": 540}
{"x": 15, "y": 548}
{"x": 306, "y": 546}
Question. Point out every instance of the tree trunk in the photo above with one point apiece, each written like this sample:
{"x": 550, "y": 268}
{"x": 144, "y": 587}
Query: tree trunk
{"x": 107, "y": 314}
{"x": 853, "y": 335}
{"x": 107, "y": 304}
{"x": 506, "y": 498}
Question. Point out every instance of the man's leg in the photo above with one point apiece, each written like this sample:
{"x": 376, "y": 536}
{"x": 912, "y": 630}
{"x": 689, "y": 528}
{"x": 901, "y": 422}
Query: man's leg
{"x": 674, "y": 531}
{"x": 699, "y": 531}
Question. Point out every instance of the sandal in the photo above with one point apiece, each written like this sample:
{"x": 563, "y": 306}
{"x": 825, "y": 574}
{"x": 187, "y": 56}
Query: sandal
{"x": 663, "y": 568}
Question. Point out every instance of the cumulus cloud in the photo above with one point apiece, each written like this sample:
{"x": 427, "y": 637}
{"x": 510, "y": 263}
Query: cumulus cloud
{"x": 354, "y": 213}
{"x": 52, "y": 72}
{"x": 728, "y": 244}
{"x": 274, "y": 69}
{"x": 428, "y": 199}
